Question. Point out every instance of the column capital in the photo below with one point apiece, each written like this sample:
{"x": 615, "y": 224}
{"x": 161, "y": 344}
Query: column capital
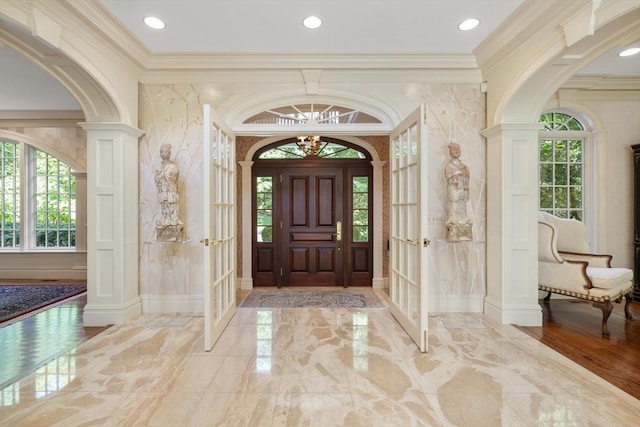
{"x": 246, "y": 164}
{"x": 111, "y": 127}
{"x": 502, "y": 128}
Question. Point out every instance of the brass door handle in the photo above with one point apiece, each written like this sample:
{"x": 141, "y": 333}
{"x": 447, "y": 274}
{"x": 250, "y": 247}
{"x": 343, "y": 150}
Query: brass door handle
{"x": 211, "y": 242}
{"x": 339, "y": 231}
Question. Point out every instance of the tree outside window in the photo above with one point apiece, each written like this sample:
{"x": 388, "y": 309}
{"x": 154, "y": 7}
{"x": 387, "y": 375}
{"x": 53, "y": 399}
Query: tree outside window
{"x": 561, "y": 166}
{"x": 48, "y": 201}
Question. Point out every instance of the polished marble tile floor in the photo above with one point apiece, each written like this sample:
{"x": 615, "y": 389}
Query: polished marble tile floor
{"x": 313, "y": 367}
{"x": 30, "y": 341}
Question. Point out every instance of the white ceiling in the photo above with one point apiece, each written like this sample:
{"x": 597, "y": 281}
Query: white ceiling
{"x": 275, "y": 26}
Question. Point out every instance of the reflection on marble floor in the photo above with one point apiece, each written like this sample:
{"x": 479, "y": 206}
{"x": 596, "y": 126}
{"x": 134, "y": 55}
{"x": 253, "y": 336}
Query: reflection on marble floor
{"x": 313, "y": 367}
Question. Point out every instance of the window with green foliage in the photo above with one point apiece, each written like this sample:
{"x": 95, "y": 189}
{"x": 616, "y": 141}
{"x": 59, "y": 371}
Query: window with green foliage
{"x": 328, "y": 150}
{"x": 46, "y": 201}
{"x": 55, "y": 201}
{"x": 561, "y": 163}
{"x": 10, "y": 194}
{"x": 264, "y": 209}
{"x": 360, "y": 211}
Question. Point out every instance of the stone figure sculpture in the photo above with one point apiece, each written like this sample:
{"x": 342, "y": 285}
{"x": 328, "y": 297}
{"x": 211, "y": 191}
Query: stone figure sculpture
{"x": 169, "y": 227}
{"x": 458, "y": 224}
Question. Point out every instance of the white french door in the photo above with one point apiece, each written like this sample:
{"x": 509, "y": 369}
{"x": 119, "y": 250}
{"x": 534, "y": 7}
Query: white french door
{"x": 219, "y": 227}
{"x": 409, "y": 195}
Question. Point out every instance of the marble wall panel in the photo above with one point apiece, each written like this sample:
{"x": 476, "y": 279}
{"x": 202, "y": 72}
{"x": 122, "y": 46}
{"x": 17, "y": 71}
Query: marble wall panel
{"x": 456, "y": 114}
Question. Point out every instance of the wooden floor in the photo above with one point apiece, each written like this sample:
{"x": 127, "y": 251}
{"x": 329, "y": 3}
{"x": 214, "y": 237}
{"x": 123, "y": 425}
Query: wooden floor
{"x": 573, "y": 328}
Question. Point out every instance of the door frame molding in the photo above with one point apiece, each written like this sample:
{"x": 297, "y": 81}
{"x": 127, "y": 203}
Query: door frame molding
{"x": 246, "y": 279}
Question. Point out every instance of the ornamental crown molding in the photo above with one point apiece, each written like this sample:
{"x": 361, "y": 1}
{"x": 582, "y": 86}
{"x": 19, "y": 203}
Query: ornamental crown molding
{"x": 293, "y": 75}
{"x": 111, "y": 31}
{"x": 603, "y": 82}
{"x": 532, "y": 21}
{"x": 230, "y": 61}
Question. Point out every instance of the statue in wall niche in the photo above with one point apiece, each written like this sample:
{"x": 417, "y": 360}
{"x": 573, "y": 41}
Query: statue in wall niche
{"x": 169, "y": 228}
{"x": 458, "y": 224}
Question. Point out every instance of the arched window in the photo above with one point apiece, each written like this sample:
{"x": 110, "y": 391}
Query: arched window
{"x": 38, "y": 199}
{"x": 563, "y": 151}
{"x": 308, "y": 114}
{"x": 310, "y": 147}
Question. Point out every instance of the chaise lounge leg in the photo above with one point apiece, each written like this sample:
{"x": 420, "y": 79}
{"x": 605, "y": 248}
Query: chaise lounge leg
{"x": 606, "y": 308}
{"x": 627, "y": 305}
{"x": 547, "y": 298}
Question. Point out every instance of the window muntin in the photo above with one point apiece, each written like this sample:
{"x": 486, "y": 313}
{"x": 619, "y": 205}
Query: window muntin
{"x": 264, "y": 209}
{"x": 304, "y": 114}
{"x": 55, "y": 203}
{"x": 556, "y": 121}
{"x": 561, "y": 166}
{"x": 329, "y": 150}
{"x": 10, "y": 194}
{"x": 38, "y": 199}
{"x": 360, "y": 208}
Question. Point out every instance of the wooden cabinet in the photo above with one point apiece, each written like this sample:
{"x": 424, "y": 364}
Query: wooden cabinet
{"x": 636, "y": 219}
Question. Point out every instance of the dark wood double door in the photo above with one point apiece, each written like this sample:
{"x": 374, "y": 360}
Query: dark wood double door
{"x": 312, "y": 241}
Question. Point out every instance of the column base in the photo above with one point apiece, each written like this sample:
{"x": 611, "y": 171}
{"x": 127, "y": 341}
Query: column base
{"x": 521, "y": 315}
{"x": 379, "y": 283}
{"x": 109, "y": 314}
{"x": 246, "y": 283}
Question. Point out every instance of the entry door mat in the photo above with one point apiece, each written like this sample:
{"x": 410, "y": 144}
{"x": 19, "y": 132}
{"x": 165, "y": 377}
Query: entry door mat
{"x": 16, "y": 300}
{"x": 312, "y": 299}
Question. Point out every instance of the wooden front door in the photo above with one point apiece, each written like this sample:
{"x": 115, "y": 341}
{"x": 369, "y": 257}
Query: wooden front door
{"x": 312, "y": 226}
{"x": 312, "y": 223}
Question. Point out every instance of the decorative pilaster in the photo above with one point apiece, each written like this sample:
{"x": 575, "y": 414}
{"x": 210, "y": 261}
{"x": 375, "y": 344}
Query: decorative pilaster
{"x": 512, "y": 231}
{"x": 377, "y": 280}
{"x": 112, "y": 223}
{"x": 81, "y": 211}
{"x": 246, "y": 281}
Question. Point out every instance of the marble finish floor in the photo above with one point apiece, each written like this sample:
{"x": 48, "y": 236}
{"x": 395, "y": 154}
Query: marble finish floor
{"x": 313, "y": 367}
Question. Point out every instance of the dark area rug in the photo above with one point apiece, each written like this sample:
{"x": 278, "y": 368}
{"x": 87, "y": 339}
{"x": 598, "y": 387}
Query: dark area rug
{"x": 311, "y": 299}
{"x": 16, "y": 300}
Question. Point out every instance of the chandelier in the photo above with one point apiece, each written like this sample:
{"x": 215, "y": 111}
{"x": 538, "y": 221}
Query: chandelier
{"x": 310, "y": 145}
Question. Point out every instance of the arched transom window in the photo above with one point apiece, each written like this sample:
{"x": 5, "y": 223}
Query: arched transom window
{"x": 310, "y": 147}
{"x": 311, "y": 114}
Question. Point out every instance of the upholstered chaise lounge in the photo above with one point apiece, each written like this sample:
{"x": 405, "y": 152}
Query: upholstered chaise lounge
{"x": 566, "y": 267}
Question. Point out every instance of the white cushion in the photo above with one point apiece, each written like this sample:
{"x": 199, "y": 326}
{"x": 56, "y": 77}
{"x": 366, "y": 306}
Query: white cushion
{"x": 571, "y": 233}
{"x": 609, "y": 278}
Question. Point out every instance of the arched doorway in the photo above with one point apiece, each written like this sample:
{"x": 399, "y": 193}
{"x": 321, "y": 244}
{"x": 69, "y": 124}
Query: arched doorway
{"x": 311, "y": 213}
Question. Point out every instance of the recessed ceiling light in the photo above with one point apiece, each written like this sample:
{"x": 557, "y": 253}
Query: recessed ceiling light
{"x": 153, "y": 22}
{"x": 312, "y": 22}
{"x": 468, "y": 24}
{"x": 630, "y": 51}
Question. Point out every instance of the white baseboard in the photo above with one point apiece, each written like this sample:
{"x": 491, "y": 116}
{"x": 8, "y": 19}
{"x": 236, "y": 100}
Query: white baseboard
{"x": 72, "y": 274}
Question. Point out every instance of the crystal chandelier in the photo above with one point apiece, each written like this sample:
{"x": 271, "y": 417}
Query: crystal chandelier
{"x": 310, "y": 145}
